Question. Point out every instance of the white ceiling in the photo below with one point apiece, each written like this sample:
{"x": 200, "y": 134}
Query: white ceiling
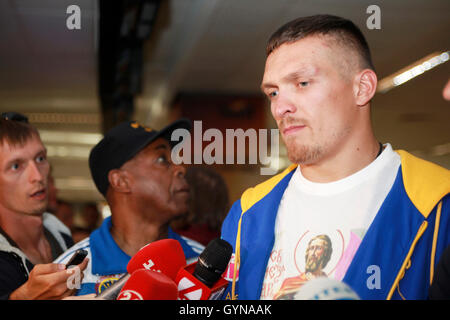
{"x": 45, "y": 66}
{"x": 213, "y": 46}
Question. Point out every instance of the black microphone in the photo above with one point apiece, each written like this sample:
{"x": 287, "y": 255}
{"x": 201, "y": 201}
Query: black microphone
{"x": 213, "y": 261}
{"x": 202, "y": 280}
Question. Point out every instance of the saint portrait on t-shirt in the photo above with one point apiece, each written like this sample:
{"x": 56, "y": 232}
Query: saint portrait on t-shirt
{"x": 317, "y": 255}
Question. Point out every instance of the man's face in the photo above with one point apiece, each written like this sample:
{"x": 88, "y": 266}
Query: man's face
{"x": 23, "y": 177}
{"x": 311, "y": 92}
{"x": 315, "y": 255}
{"x": 157, "y": 183}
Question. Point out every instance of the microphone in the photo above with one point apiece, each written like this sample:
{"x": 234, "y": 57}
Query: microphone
{"x": 165, "y": 256}
{"x": 322, "y": 288}
{"x": 149, "y": 285}
{"x": 202, "y": 280}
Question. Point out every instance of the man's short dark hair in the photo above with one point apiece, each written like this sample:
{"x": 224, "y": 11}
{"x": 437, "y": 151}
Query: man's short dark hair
{"x": 343, "y": 30}
{"x": 16, "y": 133}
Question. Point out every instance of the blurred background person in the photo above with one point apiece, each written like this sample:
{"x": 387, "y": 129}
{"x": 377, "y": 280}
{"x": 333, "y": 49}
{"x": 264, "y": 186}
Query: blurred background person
{"x": 208, "y": 207}
{"x": 88, "y": 219}
{"x": 52, "y": 193}
{"x": 65, "y": 213}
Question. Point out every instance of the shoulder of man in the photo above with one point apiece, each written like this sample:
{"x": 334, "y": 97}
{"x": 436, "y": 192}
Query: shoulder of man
{"x": 58, "y": 229}
{"x": 426, "y": 183}
{"x": 13, "y": 273}
{"x": 254, "y": 194}
{"x": 11, "y": 251}
{"x": 247, "y": 200}
{"x": 13, "y": 268}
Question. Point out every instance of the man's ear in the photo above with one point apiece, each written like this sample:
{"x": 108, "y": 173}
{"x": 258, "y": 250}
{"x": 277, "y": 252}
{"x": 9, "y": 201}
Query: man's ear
{"x": 119, "y": 180}
{"x": 365, "y": 87}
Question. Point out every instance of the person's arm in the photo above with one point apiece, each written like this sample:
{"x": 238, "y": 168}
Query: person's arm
{"x": 47, "y": 281}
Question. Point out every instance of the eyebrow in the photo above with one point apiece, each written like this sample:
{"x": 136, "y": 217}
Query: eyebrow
{"x": 22, "y": 159}
{"x": 161, "y": 146}
{"x": 14, "y": 160}
{"x": 300, "y": 72}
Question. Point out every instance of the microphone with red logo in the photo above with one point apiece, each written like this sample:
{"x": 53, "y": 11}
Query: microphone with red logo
{"x": 202, "y": 280}
{"x": 149, "y": 285}
{"x": 165, "y": 256}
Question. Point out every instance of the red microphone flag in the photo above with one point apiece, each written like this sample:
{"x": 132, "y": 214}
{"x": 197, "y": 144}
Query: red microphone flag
{"x": 164, "y": 256}
{"x": 190, "y": 288}
{"x": 148, "y": 285}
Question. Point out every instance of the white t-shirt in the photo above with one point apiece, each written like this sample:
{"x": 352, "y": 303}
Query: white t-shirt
{"x": 319, "y": 226}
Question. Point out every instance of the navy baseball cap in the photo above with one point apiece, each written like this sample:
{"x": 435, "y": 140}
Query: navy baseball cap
{"x": 121, "y": 144}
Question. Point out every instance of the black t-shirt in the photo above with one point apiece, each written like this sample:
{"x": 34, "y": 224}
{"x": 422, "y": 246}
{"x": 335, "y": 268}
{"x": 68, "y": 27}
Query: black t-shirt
{"x": 12, "y": 273}
{"x": 12, "y": 270}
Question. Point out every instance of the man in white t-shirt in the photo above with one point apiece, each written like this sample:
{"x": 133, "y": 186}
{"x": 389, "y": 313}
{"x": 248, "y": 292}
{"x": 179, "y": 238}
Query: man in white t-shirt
{"x": 339, "y": 212}
{"x": 378, "y": 216}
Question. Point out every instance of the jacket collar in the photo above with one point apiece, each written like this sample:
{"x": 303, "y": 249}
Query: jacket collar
{"x": 257, "y": 232}
{"x": 425, "y": 182}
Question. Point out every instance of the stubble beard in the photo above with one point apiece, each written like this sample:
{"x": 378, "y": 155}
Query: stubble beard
{"x": 38, "y": 209}
{"x": 298, "y": 151}
{"x": 302, "y": 153}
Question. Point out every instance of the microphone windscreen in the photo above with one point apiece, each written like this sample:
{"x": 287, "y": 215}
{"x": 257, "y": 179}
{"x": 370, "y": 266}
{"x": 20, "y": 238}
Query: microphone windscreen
{"x": 148, "y": 285}
{"x": 164, "y": 256}
{"x": 322, "y": 288}
{"x": 213, "y": 261}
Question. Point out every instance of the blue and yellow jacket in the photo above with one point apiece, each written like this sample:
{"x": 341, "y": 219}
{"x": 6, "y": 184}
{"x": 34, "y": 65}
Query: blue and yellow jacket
{"x": 405, "y": 239}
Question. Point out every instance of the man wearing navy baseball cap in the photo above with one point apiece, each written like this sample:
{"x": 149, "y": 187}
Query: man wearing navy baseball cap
{"x": 132, "y": 168}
